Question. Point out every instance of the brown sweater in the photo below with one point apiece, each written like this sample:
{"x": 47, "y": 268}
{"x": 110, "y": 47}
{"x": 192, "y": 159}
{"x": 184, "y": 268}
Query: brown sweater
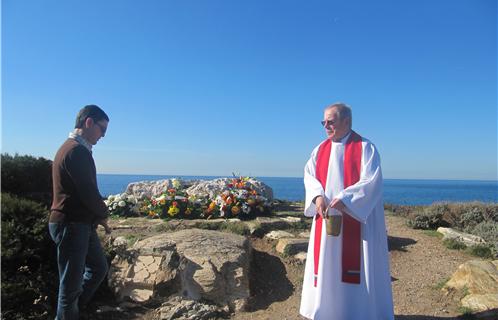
{"x": 76, "y": 194}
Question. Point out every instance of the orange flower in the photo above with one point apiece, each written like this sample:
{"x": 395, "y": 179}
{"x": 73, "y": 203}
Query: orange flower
{"x": 211, "y": 207}
{"x": 235, "y": 210}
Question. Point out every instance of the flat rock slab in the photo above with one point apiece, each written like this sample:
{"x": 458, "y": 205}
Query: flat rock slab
{"x": 292, "y": 246}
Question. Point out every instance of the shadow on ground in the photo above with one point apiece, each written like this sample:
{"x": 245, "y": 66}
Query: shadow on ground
{"x": 488, "y": 315}
{"x": 399, "y": 244}
{"x": 268, "y": 281}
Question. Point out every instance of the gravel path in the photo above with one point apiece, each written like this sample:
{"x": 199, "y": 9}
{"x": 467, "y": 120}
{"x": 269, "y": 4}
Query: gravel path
{"x": 419, "y": 265}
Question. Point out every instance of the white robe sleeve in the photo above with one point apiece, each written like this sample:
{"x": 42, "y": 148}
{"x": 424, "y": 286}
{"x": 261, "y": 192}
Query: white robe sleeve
{"x": 312, "y": 186}
{"x": 362, "y": 197}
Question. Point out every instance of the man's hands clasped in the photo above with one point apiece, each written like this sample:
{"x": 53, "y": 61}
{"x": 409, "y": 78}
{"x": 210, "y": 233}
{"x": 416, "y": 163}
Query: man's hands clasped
{"x": 321, "y": 206}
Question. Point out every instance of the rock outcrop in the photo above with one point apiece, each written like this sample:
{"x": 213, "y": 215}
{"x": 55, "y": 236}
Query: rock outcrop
{"x": 196, "y": 264}
{"x": 465, "y": 238}
{"x": 478, "y": 280}
{"x": 198, "y": 188}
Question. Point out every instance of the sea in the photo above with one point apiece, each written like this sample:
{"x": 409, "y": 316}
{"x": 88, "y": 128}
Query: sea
{"x": 396, "y": 191}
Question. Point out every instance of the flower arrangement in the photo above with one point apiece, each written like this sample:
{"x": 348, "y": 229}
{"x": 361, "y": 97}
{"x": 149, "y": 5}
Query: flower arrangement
{"x": 239, "y": 199}
{"x": 173, "y": 203}
{"x": 123, "y": 205}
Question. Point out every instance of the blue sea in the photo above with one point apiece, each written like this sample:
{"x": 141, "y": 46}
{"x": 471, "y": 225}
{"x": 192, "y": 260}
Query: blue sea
{"x": 396, "y": 191}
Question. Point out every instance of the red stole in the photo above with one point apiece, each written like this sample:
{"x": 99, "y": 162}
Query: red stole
{"x": 351, "y": 228}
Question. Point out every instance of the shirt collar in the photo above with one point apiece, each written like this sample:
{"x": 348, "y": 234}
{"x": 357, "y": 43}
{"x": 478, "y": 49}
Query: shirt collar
{"x": 79, "y": 138}
{"x": 346, "y": 137}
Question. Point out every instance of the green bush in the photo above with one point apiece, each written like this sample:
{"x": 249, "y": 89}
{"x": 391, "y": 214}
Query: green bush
{"x": 27, "y": 177}
{"x": 29, "y": 277}
{"x": 471, "y": 218}
{"x": 466, "y": 215}
{"x": 454, "y": 244}
{"x": 429, "y": 218}
{"x": 481, "y": 250}
{"x": 488, "y": 230}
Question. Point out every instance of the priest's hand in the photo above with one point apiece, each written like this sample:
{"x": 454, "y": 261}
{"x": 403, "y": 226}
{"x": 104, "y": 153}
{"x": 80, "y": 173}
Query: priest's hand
{"x": 321, "y": 207}
{"x": 338, "y": 205}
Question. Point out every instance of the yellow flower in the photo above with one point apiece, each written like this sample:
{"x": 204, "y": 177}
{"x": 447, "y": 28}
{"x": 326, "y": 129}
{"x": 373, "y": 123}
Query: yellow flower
{"x": 172, "y": 211}
{"x": 211, "y": 207}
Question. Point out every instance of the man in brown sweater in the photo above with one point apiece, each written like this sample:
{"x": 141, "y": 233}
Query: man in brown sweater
{"x": 77, "y": 209}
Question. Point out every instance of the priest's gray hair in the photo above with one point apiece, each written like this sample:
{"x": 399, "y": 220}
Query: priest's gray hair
{"x": 343, "y": 110}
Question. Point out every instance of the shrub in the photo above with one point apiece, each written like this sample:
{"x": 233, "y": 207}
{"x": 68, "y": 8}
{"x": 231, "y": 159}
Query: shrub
{"x": 400, "y": 210}
{"x": 29, "y": 277}
{"x": 430, "y": 218}
{"x": 454, "y": 244}
{"x": 466, "y": 215}
{"x": 488, "y": 230}
{"x": 28, "y": 177}
{"x": 481, "y": 250}
{"x": 469, "y": 219}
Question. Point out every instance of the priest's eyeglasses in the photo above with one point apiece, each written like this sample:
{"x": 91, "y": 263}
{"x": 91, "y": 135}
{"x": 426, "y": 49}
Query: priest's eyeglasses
{"x": 328, "y": 122}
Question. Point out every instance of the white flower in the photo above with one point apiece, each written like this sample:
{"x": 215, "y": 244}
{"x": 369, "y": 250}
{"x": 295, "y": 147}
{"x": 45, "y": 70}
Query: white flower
{"x": 122, "y": 203}
{"x": 245, "y": 208}
{"x": 131, "y": 198}
{"x": 110, "y": 198}
{"x": 176, "y": 183}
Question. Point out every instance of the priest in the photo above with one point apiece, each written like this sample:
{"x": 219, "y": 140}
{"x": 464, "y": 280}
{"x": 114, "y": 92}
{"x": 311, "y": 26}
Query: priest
{"x": 347, "y": 273}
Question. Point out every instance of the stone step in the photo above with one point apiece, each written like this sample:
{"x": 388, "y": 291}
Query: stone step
{"x": 292, "y": 246}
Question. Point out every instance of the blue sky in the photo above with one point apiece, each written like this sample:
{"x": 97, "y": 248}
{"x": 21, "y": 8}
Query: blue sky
{"x": 215, "y": 87}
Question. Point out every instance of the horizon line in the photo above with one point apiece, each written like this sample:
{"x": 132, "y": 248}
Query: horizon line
{"x": 296, "y": 177}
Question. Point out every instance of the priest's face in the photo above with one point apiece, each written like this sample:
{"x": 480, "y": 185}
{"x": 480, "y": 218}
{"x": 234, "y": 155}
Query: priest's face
{"x": 335, "y": 127}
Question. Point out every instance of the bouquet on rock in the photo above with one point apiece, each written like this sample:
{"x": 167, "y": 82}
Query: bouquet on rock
{"x": 173, "y": 203}
{"x": 123, "y": 205}
{"x": 238, "y": 199}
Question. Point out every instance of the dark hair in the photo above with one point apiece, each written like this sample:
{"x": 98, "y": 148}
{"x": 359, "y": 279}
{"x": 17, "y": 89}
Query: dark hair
{"x": 90, "y": 111}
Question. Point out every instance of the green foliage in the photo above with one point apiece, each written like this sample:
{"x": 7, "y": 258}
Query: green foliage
{"x": 481, "y": 250}
{"x": 466, "y": 313}
{"x": 400, "y": 210}
{"x": 430, "y": 218}
{"x": 27, "y": 176}
{"x": 29, "y": 280}
{"x": 454, "y": 244}
{"x": 235, "y": 227}
{"x": 488, "y": 230}
{"x": 225, "y": 226}
{"x": 433, "y": 233}
{"x": 441, "y": 283}
{"x": 467, "y": 215}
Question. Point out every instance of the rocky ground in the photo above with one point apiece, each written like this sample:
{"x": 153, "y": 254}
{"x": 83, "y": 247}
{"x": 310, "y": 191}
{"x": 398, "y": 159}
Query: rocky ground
{"x": 420, "y": 264}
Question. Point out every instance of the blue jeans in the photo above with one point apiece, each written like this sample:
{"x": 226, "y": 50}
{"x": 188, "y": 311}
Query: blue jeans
{"x": 82, "y": 266}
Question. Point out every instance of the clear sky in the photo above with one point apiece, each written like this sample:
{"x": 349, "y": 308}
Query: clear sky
{"x": 215, "y": 87}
